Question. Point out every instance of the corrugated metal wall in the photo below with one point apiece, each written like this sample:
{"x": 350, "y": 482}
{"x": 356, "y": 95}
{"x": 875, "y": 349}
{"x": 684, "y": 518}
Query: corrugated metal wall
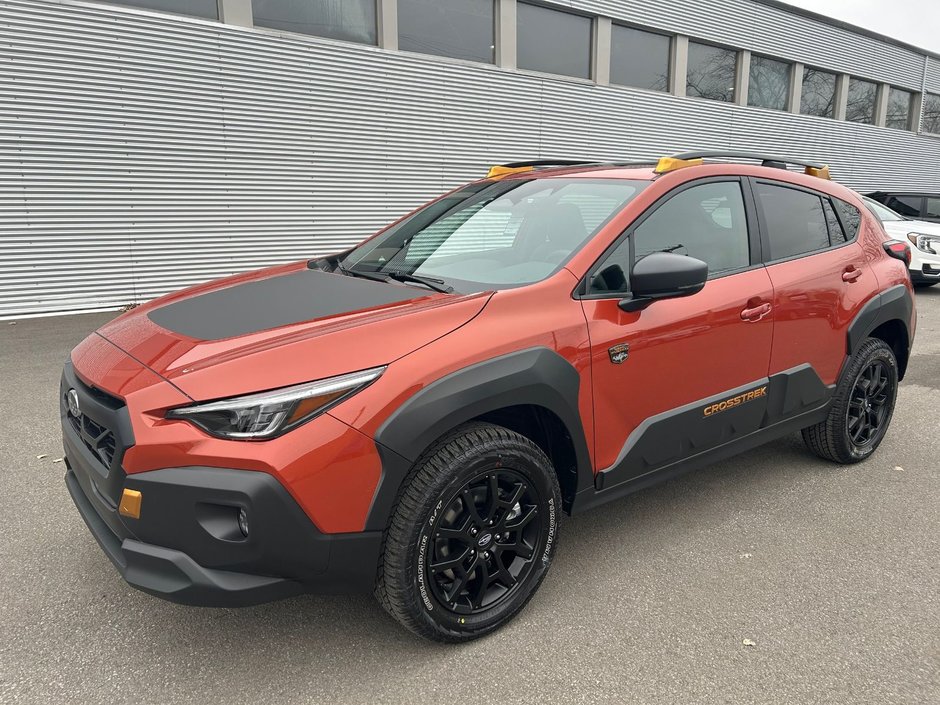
{"x": 140, "y": 153}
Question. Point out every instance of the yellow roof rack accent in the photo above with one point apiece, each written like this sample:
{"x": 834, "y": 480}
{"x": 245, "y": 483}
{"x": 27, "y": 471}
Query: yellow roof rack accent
{"x": 821, "y": 171}
{"x": 496, "y": 171}
{"x": 667, "y": 164}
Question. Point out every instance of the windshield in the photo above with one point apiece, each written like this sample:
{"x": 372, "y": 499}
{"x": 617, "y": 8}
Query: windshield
{"x": 881, "y": 212}
{"x": 495, "y": 234}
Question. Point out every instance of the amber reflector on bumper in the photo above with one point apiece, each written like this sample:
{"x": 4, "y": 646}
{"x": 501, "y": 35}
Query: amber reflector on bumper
{"x": 130, "y": 504}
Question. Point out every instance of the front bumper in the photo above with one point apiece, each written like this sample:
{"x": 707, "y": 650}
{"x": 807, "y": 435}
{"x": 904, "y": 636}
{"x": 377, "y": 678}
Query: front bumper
{"x": 186, "y": 546}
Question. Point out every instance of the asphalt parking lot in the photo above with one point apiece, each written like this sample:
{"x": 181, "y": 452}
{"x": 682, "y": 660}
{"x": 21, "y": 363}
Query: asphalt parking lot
{"x": 770, "y": 578}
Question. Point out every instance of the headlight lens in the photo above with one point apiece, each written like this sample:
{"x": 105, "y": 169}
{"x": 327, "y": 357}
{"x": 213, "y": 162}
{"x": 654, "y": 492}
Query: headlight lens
{"x": 270, "y": 414}
{"x": 925, "y": 243}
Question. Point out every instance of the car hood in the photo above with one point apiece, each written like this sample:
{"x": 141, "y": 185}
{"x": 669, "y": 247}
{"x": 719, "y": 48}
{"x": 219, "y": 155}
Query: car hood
{"x": 283, "y": 326}
{"x": 900, "y": 228}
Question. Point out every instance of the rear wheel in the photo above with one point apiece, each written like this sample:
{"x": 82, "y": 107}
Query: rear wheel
{"x": 472, "y": 536}
{"x": 862, "y": 406}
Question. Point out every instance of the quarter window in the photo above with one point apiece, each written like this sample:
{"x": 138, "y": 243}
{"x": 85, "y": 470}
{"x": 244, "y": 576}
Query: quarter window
{"x": 352, "y": 20}
{"x": 639, "y": 58}
{"x": 861, "y": 101}
{"x": 899, "y": 109}
{"x": 711, "y": 72}
{"x": 196, "y": 8}
{"x": 769, "y": 83}
{"x": 818, "y": 94}
{"x": 796, "y": 223}
{"x": 851, "y": 218}
{"x": 931, "y": 116}
{"x": 553, "y": 41}
{"x": 461, "y": 29}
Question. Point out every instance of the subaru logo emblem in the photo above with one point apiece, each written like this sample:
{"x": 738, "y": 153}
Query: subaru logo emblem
{"x": 484, "y": 539}
{"x": 72, "y": 399}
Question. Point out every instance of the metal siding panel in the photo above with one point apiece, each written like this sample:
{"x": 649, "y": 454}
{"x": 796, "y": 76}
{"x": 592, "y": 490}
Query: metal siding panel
{"x": 932, "y": 81}
{"x": 140, "y": 153}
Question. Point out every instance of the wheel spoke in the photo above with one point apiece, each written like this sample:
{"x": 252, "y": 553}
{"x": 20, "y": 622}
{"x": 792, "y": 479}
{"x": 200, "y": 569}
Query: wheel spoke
{"x": 449, "y": 563}
{"x": 493, "y": 498}
{"x": 484, "y": 580}
{"x": 457, "y": 587}
{"x": 515, "y": 497}
{"x": 471, "y": 506}
{"x": 523, "y": 519}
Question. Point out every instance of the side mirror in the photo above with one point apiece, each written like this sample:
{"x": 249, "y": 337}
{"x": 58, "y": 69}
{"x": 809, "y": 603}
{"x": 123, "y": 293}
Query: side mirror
{"x": 664, "y": 275}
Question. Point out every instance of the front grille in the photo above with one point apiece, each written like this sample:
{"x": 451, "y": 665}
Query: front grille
{"x": 97, "y": 438}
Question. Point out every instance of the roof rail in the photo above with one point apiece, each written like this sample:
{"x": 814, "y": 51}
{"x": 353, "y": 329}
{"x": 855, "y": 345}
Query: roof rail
{"x": 677, "y": 161}
{"x": 516, "y": 167}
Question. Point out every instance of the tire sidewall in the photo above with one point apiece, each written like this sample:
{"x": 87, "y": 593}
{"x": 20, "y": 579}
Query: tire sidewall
{"x": 879, "y": 353}
{"x": 523, "y": 460}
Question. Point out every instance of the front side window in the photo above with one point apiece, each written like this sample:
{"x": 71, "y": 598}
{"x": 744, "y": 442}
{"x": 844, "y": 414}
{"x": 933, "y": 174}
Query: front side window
{"x": 197, "y": 8}
{"x": 552, "y": 41}
{"x": 496, "y": 234}
{"x": 861, "y": 101}
{"x": 351, "y": 20}
{"x": 769, "y": 83}
{"x": 931, "y": 115}
{"x": 707, "y": 221}
{"x": 795, "y": 220}
{"x": 639, "y": 59}
{"x": 899, "y": 109}
{"x": 461, "y": 29}
{"x": 819, "y": 93}
{"x": 711, "y": 72}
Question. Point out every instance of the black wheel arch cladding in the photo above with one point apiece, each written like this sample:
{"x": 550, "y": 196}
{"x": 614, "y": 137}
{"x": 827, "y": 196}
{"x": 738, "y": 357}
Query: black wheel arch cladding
{"x": 893, "y": 304}
{"x": 533, "y": 377}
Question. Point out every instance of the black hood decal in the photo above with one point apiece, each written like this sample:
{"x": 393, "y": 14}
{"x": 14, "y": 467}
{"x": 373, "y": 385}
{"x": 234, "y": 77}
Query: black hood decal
{"x": 277, "y": 301}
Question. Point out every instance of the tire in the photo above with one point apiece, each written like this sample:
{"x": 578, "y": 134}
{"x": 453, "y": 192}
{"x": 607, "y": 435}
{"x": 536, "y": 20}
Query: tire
{"x": 865, "y": 396}
{"x": 455, "y": 563}
{"x": 924, "y": 285}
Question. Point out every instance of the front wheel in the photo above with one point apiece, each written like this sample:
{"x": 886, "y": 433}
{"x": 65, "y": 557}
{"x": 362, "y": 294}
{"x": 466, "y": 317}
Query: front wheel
{"x": 861, "y": 408}
{"x": 472, "y": 536}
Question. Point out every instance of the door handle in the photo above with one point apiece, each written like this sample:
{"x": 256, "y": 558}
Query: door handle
{"x": 851, "y": 274}
{"x": 756, "y": 313}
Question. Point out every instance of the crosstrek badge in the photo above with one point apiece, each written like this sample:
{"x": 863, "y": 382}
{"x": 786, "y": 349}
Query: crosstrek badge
{"x": 736, "y": 401}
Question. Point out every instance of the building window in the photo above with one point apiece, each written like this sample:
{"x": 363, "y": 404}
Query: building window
{"x": 639, "y": 59}
{"x": 462, "y": 29}
{"x": 553, "y": 41}
{"x": 931, "y": 116}
{"x": 769, "y": 83}
{"x": 711, "y": 72}
{"x": 351, "y": 20}
{"x": 861, "y": 103}
{"x": 818, "y": 96}
{"x": 197, "y": 8}
{"x": 899, "y": 109}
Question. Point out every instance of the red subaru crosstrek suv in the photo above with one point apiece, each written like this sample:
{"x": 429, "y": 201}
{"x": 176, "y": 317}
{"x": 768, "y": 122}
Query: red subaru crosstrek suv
{"x": 415, "y": 415}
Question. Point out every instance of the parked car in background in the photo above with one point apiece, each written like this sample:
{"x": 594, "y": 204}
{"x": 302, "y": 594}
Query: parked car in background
{"x": 924, "y": 236}
{"x": 910, "y": 204}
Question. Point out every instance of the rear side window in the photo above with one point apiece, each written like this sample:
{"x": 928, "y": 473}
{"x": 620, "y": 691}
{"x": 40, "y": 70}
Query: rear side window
{"x": 905, "y": 205}
{"x": 796, "y": 222}
{"x": 851, "y": 219}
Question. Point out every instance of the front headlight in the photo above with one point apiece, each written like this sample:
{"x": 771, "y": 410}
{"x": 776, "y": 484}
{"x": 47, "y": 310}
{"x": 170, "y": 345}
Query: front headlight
{"x": 269, "y": 414}
{"x": 925, "y": 243}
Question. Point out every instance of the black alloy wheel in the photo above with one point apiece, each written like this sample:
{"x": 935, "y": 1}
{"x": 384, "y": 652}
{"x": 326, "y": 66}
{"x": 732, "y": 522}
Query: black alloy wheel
{"x": 868, "y": 404}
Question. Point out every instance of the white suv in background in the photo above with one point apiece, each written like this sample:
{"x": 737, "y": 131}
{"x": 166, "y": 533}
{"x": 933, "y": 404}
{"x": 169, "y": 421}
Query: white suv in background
{"x": 924, "y": 236}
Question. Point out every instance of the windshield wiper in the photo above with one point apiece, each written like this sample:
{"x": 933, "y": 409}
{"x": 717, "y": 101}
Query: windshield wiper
{"x": 364, "y": 275}
{"x": 435, "y": 284}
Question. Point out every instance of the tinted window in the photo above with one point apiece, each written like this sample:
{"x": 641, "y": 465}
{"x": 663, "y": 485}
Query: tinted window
{"x": 352, "y": 20}
{"x": 795, "y": 221}
{"x": 931, "y": 116}
{"x": 707, "y": 222}
{"x": 769, "y": 83}
{"x": 711, "y": 72}
{"x": 462, "y": 29}
{"x": 933, "y": 208}
{"x": 899, "y": 109}
{"x": 553, "y": 41}
{"x": 861, "y": 102}
{"x": 639, "y": 58}
{"x": 883, "y": 213}
{"x": 818, "y": 94}
{"x": 908, "y": 206}
{"x": 198, "y": 8}
{"x": 851, "y": 218}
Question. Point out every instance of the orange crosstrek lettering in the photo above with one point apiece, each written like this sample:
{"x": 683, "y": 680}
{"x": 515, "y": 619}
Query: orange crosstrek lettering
{"x": 736, "y": 400}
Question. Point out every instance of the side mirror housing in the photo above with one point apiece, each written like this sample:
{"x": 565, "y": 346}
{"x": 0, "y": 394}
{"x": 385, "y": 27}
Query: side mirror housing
{"x": 664, "y": 275}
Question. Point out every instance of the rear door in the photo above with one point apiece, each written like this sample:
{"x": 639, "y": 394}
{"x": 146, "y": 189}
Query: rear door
{"x": 820, "y": 276}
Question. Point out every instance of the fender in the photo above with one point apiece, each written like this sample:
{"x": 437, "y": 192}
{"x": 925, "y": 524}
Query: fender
{"x": 536, "y": 376}
{"x": 892, "y": 304}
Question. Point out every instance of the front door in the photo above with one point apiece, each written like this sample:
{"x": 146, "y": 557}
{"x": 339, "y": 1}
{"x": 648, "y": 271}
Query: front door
{"x": 687, "y": 374}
